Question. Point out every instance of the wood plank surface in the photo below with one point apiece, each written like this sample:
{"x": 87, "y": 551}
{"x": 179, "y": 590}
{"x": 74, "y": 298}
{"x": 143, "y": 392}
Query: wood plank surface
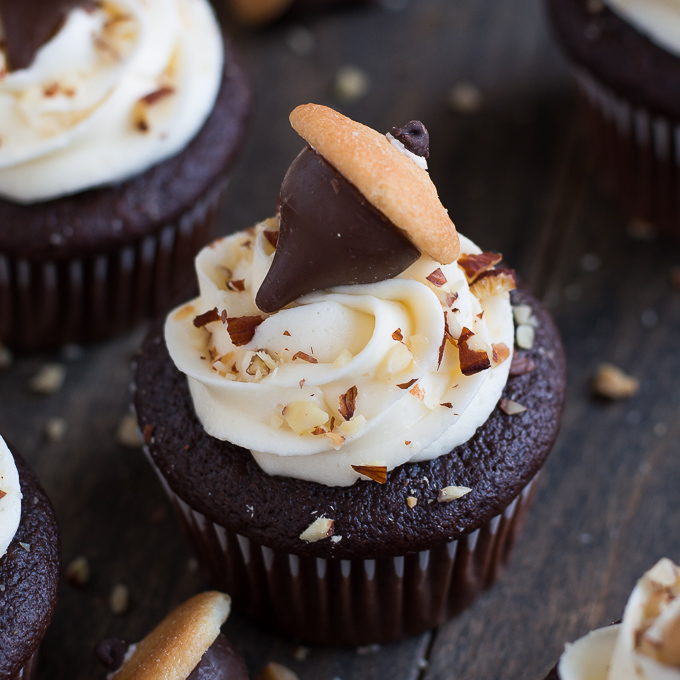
{"x": 516, "y": 177}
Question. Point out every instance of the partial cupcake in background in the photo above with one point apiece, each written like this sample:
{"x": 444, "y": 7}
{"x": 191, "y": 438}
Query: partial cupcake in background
{"x": 30, "y": 562}
{"x": 119, "y": 123}
{"x": 625, "y": 55}
{"x": 186, "y": 645}
{"x": 257, "y": 13}
{"x": 644, "y": 646}
{"x": 336, "y": 426}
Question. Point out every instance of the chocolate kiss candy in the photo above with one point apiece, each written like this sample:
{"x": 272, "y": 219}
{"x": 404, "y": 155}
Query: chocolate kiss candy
{"x": 29, "y": 24}
{"x": 330, "y": 235}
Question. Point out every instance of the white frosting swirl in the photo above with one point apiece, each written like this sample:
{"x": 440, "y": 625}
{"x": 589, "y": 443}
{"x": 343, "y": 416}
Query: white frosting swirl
{"x": 116, "y": 90}
{"x": 659, "y": 20}
{"x": 381, "y": 339}
{"x": 645, "y": 646}
{"x": 10, "y": 501}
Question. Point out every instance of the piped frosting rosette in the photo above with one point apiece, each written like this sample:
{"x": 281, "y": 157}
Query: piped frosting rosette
{"x": 122, "y": 85}
{"x": 10, "y": 497}
{"x": 644, "y": 646}
{"x": 659, "y": 20}
{"x": 363, "y": 376}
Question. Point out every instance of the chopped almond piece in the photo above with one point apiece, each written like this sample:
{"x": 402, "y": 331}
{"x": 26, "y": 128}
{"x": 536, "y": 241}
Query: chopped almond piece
{"x": 500, "y": 353}
{"x": 510, "y": 407}
{"x": 493, "y": 282}
{"x": 471, "y": 361}
{"x": 237, "y": 286}
{"x": 475, "y": 265}
{"x": 303, "y": 356}
{"x": 406, "y": 385}
{"x": 452, "y": 493}
{"x": 437, "y": 278}
{"x": 272, "y": 237}
{"x": 304, "y": 416}
{"x": 521, "y": 365}
{"x": 348, "y": 403}
{"x": 242, "y": 328}
{"x": 417, "y": 393}
{"x": 612, "y": 383}
{"x": 411, "y": 501}
{"x": 397, "y": 335}
{"x": 206, "y": 318}
{"x": 378, "y": 473}
{"x": 320, "y": 528}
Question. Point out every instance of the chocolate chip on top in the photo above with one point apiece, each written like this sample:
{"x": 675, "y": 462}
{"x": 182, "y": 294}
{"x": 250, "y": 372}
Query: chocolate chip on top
{"x": 415, "y": 138}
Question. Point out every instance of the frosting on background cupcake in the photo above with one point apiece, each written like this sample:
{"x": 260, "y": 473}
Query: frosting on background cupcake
{"x": 10, "y": 498}
{"x": 659, "y": 20}
{"x": 119, "y": 88}
{"x": 645, "y": 646}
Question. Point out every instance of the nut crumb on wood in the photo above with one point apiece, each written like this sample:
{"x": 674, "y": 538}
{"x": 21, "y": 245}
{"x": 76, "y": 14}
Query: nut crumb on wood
{"x": 48, "y": 379}
{"x": 5, "y": 357}
{"x": 128, "y": 434}
{"x": 300, "y": 653}
{"x": 320, "y": 528}
{"x": 452, "y": 493}
{"x": 351, "y": 83}
{"x": 78, "y": 571}
{"x": 465, "y": 98}
{"x": 55, "y": 429}
{"x": 612, "y": 383}
{"x": 276, "y": 671}
{"x": 119, "y": 599}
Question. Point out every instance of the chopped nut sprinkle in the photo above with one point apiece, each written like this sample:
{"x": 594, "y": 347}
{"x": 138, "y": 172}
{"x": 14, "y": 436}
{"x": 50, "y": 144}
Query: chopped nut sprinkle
{"x": 119, "y": 599}
{"x": 437, "y": 278}
{"x": 510, "y": 407}
{"x": 55, "y": 429}
{"x": 411, "y": 501}
{"x": 521, "y": 365}
{"x": 320, "y": 528}
{"x": 128, "y": 432}
{"x": 78, "y": 571}
{"x": 475, "y": 265}
{"x": 303, "y": 356}
{"x": 524, "y": 336}
{"x": 48, "y": 379}
{"x": 378, "y": 473}
{"x": 452, "y": 493}
{"x": 397, "y": 335}
{"x": 2, "y": 494}
{"x": 206, "y": 318}
{"x": 348, "y": 403}
{"x": 25, "y": 546}
{"x": 471, "y": 361}
{"x": 276, "y": 671}
{"x": 406, "y": 385}
{"x": 236, "y": 286}
{"x": 612, "y": 383}
{"x": 241, "y": 329}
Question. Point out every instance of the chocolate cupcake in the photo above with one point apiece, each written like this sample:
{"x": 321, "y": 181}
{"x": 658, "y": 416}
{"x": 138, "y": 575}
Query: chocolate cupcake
{"x": 333, "y": 417}
{"x": 30, "y": 562}
{"x": 261, "y": 12}
{"x": 645, "y": 645}
{"x": 186, "y": 645}
{"x": 120, "y": 122}
{"x": 626, "y": 58}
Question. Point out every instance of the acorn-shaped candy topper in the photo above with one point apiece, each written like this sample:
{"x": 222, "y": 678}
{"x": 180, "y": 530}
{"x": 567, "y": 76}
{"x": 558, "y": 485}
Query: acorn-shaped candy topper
{"x": 29, "y": 24}
{"x": 186, "y": 645}
{"x": 353, "y": 209}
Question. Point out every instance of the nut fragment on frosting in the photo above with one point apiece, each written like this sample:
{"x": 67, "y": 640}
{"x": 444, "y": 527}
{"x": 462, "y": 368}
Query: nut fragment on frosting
{"x": 122, "y": 85}
{"x": 10, "y": 497}
{"x": 644, "y": 646}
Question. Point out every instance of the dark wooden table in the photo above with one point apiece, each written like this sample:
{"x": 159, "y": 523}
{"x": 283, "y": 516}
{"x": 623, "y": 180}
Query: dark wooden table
{"x": 516, "y": 176}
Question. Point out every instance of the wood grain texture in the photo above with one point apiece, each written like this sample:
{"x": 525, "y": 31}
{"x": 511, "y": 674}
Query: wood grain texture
{"x": 515, "y": 177}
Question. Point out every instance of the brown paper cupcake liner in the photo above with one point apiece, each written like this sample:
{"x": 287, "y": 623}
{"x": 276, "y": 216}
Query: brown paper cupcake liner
{"x": 353, "y": 602}
{"x": 48, "y": 303}
{"x": 29, "y": 670}
{"x": 638, "y": 153}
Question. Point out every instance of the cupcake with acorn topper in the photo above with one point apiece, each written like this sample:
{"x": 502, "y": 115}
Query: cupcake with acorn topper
{"x": 186, "y": 645}
{"x": 333, "y": 416}
{"x": 30, "y": 563}
{"x": 119, "y": 123}
{"x": 645, "y": 645}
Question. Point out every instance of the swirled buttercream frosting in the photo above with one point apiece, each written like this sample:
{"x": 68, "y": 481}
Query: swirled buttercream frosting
{"x": 380, "y": 374}
{"x": 122, "y": 85}
{"x": 10, "y": 497}
{"x": 659, "y": 20}
{"x": 644, "y": 646}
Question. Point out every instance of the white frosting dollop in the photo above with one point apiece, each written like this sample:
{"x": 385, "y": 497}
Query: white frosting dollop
{"x": 659, "y": 20}
{"x": 645, "y": 646}
{"x": 10, "y": 497}
{"x": 279, "y": 394}
{"x": 119, "y": 88}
